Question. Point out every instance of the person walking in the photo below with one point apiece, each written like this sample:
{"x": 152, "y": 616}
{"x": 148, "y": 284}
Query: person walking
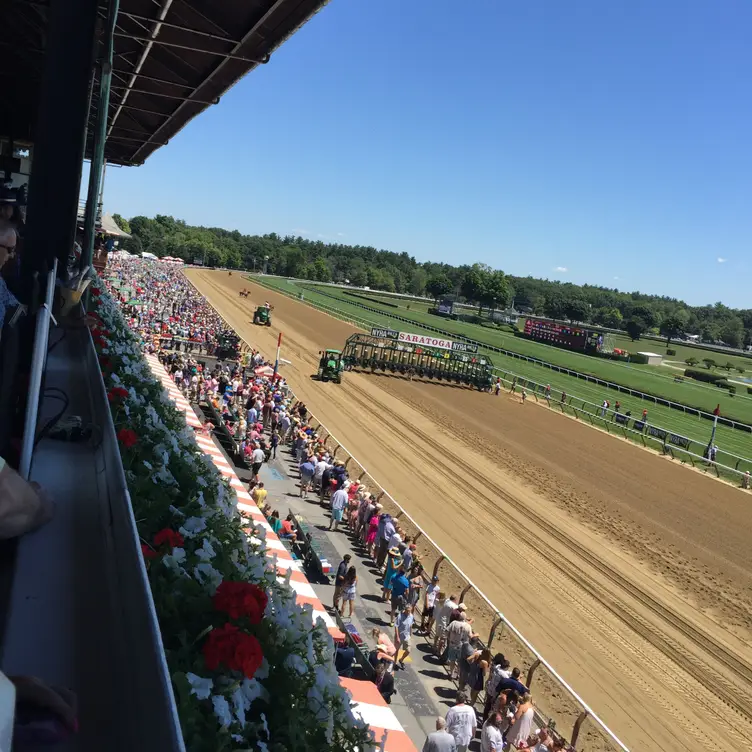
{"x": 440, "y": 740}
{"x": 461, "y": 722}
{"x": 339, "y": 580}
{"x": 349, "y": 590}
{"x": 257, "y": 459}
{"x": 403, "y": 631}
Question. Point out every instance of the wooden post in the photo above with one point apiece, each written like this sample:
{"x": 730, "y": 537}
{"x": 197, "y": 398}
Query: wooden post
{"x": 499, "y": 622}
{"x": 438, "y": 564}
{"x": 465, "y": 592}
{"x": 531, "y": 672}
{"x": 578, "y": 725}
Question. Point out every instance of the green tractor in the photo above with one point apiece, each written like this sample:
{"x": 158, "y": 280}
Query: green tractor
{"x": 331, "y": 366}
{"x": 263, "y": 316}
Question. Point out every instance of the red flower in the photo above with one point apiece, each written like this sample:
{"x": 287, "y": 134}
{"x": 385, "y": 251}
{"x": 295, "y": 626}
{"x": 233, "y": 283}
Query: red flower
{"x": 238, "y": 599}
{"x": 117, "y": 391}
{"x": 127, "y": 437}
{"x": 147, "y": 552}
{"x": 237, "y": 650}
{"x": 170, "y": 537}
{"x": 104, "y": 361}
{"x": 96, "y": 291}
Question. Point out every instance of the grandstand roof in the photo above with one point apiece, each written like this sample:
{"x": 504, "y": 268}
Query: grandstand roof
{"x": 173, "y": 59}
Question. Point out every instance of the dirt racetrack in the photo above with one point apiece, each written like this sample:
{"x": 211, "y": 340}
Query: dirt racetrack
{"x": 631, "y": 574}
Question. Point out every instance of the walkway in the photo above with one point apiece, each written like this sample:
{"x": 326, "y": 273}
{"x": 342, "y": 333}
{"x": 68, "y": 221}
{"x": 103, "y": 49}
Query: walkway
{"x": 392, "y": 733}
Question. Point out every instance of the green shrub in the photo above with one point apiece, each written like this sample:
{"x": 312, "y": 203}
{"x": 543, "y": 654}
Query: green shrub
{"x": 691, "y": 362}
{"x": 670, "y": 352}
{"x": 706, "y": 376}
{"x": 732, "y": 390}
{"x": 709, "y": 363}
{"x": 723, "y": 384}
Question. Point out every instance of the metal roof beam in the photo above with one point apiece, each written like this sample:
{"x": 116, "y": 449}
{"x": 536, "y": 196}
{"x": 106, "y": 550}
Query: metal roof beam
{"x": 186, "y": 29}
{"x": 166, "y": 96}
{"x": 246, "y": 37}
{"x": 217, "y": 53}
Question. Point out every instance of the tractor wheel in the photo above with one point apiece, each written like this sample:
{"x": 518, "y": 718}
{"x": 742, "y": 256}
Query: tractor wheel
{"x": 268, "y": 322}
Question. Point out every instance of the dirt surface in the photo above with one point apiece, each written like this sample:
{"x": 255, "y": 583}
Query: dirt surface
{"x": 631, "y": 574}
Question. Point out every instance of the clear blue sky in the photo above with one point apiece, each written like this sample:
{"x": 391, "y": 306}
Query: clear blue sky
{"x": 608, "y": 138}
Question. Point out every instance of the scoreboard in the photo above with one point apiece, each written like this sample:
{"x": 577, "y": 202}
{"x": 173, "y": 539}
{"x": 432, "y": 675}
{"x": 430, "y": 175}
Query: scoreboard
{"x": 563, "y": 335}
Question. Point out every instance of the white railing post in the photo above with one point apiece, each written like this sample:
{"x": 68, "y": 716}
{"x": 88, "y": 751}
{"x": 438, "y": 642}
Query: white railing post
{"x": 38, "y": 362}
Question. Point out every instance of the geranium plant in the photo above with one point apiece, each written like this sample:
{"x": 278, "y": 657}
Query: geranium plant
{"x": 250, "y": 668}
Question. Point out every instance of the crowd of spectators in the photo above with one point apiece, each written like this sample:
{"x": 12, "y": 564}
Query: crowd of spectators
{"x": 255, "y": 408}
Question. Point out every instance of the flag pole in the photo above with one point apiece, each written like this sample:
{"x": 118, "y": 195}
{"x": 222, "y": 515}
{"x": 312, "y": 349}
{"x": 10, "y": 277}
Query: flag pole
{"x": 276, "y": 362}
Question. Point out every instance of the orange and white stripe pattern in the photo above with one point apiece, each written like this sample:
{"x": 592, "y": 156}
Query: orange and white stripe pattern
{"x": 304, "y": 592}
{"x": 369, "y": 705}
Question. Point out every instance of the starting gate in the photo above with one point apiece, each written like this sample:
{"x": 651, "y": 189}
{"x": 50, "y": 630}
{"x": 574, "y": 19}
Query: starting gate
{"x": 461, "y": 366}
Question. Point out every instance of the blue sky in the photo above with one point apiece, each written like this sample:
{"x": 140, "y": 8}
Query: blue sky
{"x": 582, "y": 140}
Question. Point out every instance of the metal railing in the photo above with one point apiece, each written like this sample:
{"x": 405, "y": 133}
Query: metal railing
{"x": 38, "y": 362}
{"x": 733, "y": 468}
{"x": 560, "y": 369}
{"x": 498, "y": 621}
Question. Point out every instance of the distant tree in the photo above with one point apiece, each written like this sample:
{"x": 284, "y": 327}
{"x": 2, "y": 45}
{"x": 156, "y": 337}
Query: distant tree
{"x": 577, "y": 309}
{"x": 495, "y": 291}
{"x": 635, "y": 327}
{"x": 732, "y": 332}
{"x": 709, "y": 363}
{"x": 610, "y": 317}
{"x": 673, "y": 325}
{"x": 438, "y": 286}
{"x": 417, "y": 282}
{"x": 321, "y": 270}
{"x": 739, "y": 369}
{"x": 691, "y": 362}
{"x": 472, "y": 285}
{"x": 122, "y": 223}
{"x": 132, "y": 244}
{"x": 645, "y": 313}
{"x": 728, "y": 366}
{"x": 554, "y": 306}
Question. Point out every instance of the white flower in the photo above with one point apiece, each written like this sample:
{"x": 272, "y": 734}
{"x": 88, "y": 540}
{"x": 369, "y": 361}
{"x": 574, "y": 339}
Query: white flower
{"x": 174, "y": 560}
{"x": 177, "y": 511}
{"x": 222, "y": 710}
{"x": 295, "y": 663}
{"x": 199, "y": 686}
{"x": 193, "y": 526}
{"x": 148, "y": 465}
{"x": 201, "y": 481}
{"x": 206, "y": 552}
{"x": 207, "y": 575}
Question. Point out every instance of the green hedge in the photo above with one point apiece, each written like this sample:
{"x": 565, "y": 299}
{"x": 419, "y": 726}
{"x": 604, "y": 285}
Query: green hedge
{"x": 698, "y": 375}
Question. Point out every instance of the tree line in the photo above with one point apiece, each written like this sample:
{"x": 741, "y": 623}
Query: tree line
{"x": 477, "y": 284}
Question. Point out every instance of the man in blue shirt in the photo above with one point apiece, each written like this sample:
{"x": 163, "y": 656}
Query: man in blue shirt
{"x": 400, "y": 586}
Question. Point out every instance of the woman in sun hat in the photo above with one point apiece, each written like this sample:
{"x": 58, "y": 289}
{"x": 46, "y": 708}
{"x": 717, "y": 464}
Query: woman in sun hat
{"x": 393, "y": 563}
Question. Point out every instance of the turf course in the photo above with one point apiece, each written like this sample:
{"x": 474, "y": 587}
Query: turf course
{"x": 655, "y": 380}
{"x": 731, "y": 441}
